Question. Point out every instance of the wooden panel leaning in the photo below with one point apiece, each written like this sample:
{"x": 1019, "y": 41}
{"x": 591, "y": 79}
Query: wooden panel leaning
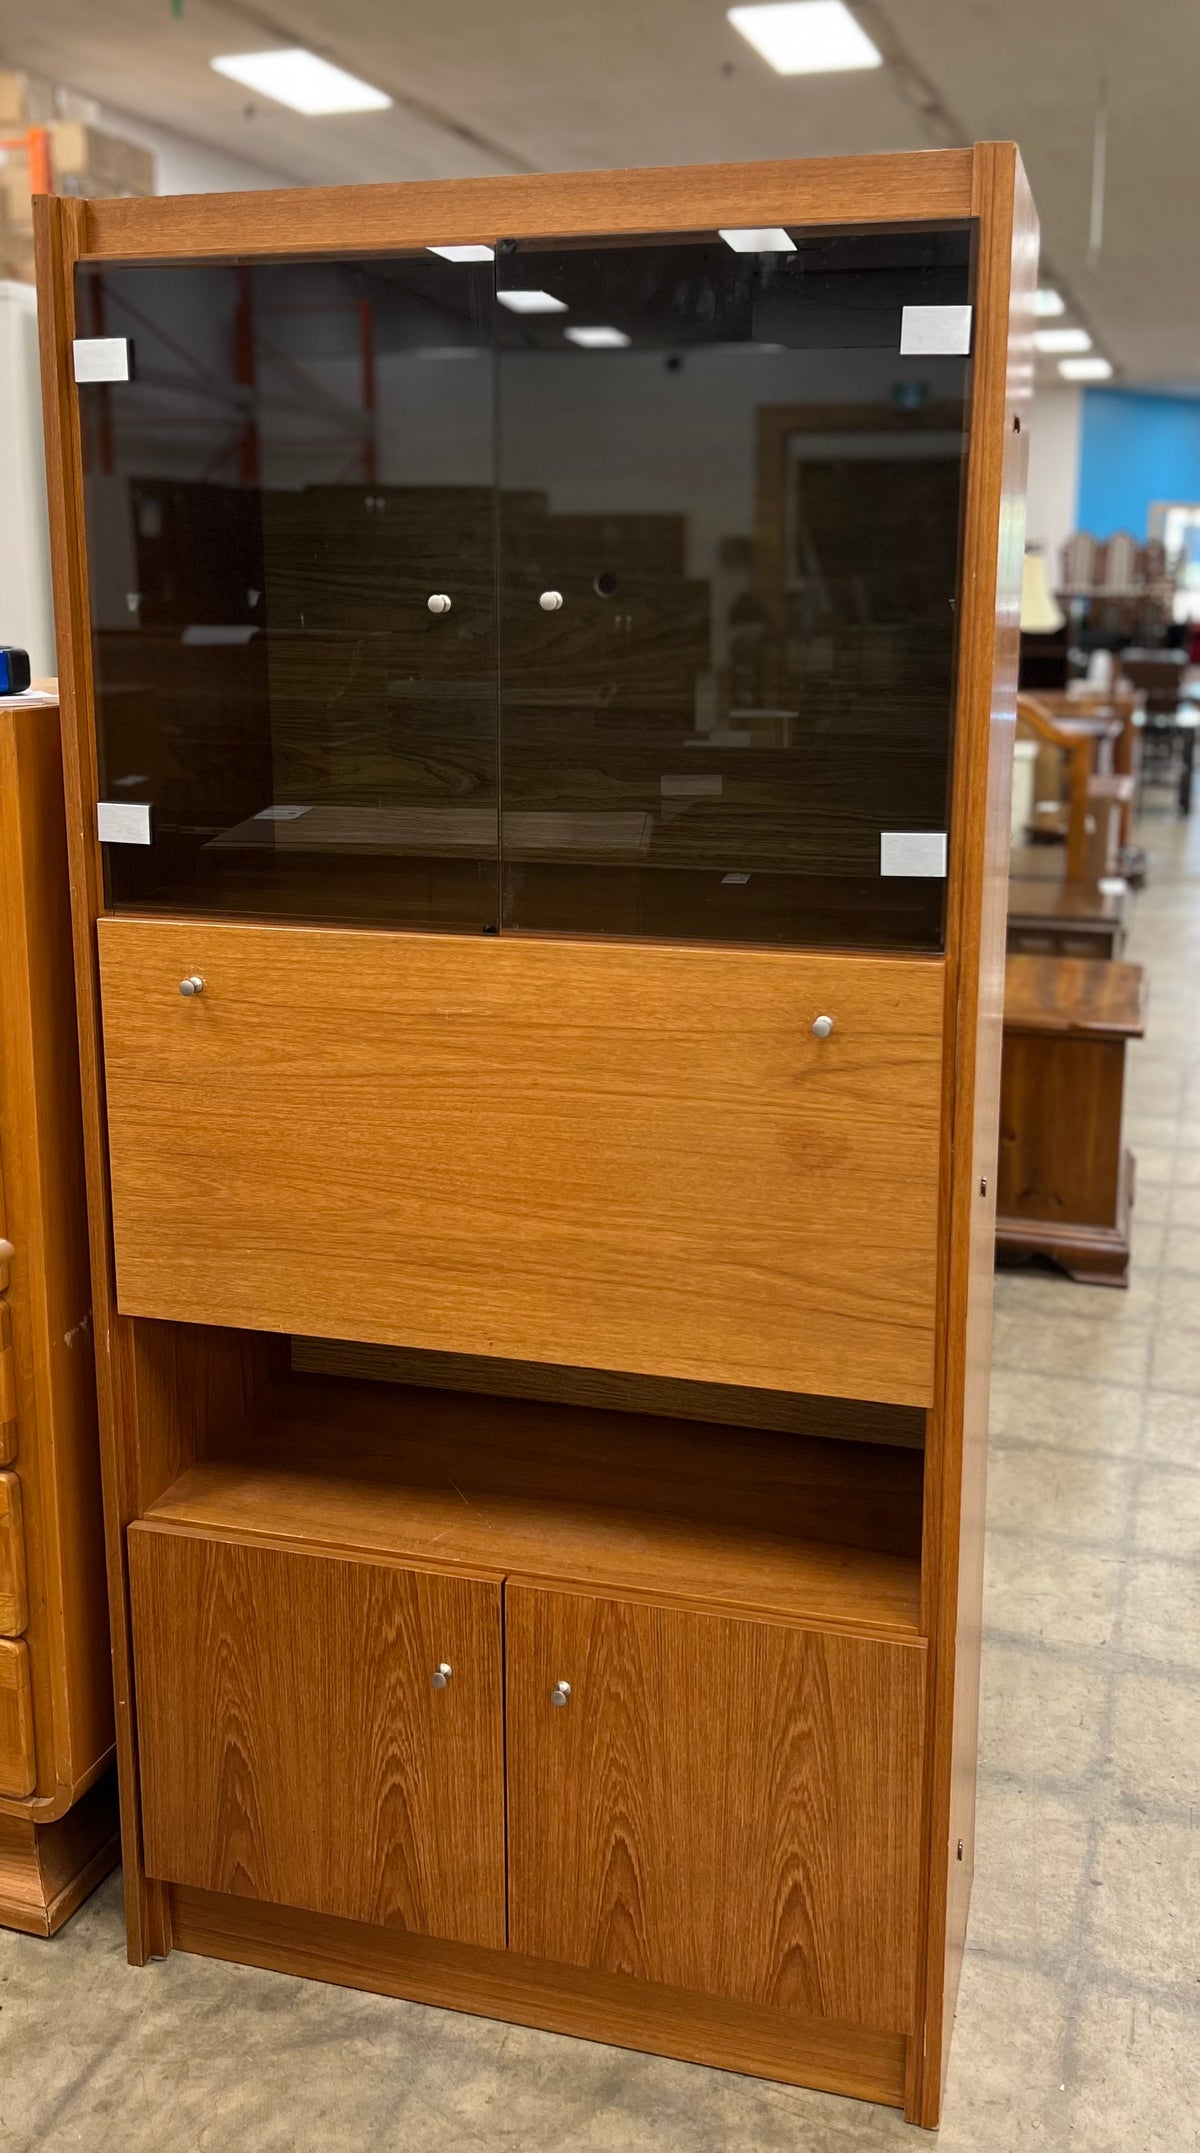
{"x": 626, "y": 1160}
{"x": 58, "y": 1826}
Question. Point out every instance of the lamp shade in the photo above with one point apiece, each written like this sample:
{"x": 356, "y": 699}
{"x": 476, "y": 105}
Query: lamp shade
{"x": 1041, "y": 613}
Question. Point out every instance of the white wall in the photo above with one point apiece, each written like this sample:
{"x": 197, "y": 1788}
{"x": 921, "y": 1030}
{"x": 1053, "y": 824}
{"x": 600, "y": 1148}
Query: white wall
{"x": 26, "y": 611}
{"x": 1054, "y": 453}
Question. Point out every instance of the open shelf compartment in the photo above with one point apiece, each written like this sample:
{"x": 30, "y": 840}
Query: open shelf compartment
{"x": 743, "y": 1521}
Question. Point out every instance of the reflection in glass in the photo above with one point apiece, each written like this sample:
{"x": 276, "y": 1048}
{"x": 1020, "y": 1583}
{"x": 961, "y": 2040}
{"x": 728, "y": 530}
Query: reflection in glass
{"x": 656, "y": 543}
{"x": 302, "y": 462}
{"x": 750, "y": 503}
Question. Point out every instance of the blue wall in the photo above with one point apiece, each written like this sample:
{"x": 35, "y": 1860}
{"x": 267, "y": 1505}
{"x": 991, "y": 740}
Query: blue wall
{"x": 1135, "y": 449}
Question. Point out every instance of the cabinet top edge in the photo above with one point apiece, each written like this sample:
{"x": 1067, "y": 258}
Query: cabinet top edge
{"x": 894, "y": 187}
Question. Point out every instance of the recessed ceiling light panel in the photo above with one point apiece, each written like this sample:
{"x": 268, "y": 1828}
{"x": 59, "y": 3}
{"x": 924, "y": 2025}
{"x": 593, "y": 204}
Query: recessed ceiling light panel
{"x": 1046, "y": 301}
{"x": 1093, "y": 369}
{"x": 598, "y": 339}
{"x": 464, "y": 254}
{"x": 301, "y": 80}
{"x": 532, "y": 302}
{"x": 806, "y": 37}
{"x": 1061, "y": 340}
{"x": 765, "y": 239}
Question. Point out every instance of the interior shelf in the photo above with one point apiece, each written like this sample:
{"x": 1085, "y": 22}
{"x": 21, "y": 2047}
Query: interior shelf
{"x": 749, "y": 1521}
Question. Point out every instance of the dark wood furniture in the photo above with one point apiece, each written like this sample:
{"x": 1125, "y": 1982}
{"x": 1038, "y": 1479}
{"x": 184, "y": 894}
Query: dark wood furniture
{"x": 1097, "y": 799}
{"x": 1066, "y": 1180}
{"x": 1055, "y": 918}
{"x": 545, "y": 1360}
{"x": 58, "y": 1821}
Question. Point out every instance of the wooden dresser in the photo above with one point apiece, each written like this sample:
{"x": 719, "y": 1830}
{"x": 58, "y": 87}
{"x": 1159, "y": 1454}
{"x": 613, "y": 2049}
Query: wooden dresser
{"x": 1066, "y": 1180}
{"x": 541, "y": 835}
{"x": 58, "y": 1823}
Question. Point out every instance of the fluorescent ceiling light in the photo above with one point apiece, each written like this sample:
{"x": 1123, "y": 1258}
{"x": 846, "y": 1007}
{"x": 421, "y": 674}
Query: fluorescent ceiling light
{"x": 764, "y": 239}
{"x": 302, "y": 80}
{"x": 1061, "y": 340}
{"x": 532, "y": 302}
{"x": 464, "y": 254}
{"x": 1094, "y": 369}
{"x": 597, "y": 339}
{"x": 806, "y": 37}
{"x": 1046, "y": 301}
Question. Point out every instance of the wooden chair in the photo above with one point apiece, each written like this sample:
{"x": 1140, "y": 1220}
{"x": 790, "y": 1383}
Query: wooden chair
{"x": 1099, "y": 796}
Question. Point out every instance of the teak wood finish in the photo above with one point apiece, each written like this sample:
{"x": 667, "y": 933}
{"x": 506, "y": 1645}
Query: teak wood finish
{"x": 374, "y": 1796}
{"x": 621, "y": 1853}
{"x": 544, "y": 1151}
{"x": 58, "y": 1826}
{"x": 171, "y": 1390}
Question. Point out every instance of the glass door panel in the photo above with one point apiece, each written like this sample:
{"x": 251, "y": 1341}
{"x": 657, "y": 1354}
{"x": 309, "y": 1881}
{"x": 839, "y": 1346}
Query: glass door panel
{"x": 291, "y": 548}
{"x": 729, "y": 540}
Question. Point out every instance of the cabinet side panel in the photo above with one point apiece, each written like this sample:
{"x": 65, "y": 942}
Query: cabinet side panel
{"x": 956, "y": 1474}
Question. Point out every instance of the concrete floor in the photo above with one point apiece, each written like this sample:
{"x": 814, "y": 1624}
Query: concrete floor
{"x": 1079, "y": 2020}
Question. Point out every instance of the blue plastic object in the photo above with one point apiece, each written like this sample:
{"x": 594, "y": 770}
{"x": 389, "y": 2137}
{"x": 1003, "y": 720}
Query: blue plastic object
{"x": 14, "y": 671}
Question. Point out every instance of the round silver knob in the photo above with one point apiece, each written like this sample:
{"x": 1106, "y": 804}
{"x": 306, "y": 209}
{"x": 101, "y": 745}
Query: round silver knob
{"x": 822, "y": 1026}
{"x": 438, "y": 602}
{"x": 560, "y": 1693}
{"x": 193, "y": 984}
{"x": 440, "y": 1677}
{"x": 550, "y": 601}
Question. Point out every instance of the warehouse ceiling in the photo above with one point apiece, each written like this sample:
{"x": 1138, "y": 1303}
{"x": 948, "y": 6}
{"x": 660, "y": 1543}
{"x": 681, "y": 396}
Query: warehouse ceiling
{"x": 508, "y": 85}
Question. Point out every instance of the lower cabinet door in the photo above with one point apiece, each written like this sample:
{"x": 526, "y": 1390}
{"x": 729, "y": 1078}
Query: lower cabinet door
{"x": 721, "y": 1805}
{"x": 293, "y": 1746}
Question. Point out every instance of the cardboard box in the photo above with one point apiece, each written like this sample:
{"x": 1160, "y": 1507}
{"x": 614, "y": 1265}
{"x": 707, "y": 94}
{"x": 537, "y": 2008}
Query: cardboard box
{"x": 88, "y": 162}
{"x": 16, "y": 206}
{"x": 14, "y": 103}
{"x": 16, "y": 257}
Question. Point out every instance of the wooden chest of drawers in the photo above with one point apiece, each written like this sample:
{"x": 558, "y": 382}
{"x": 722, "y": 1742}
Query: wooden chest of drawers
{"x": 57, "y": 1797}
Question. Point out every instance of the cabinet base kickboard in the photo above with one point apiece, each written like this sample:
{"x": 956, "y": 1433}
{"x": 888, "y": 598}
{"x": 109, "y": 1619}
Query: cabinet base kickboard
{"x": 799, "y": 2051}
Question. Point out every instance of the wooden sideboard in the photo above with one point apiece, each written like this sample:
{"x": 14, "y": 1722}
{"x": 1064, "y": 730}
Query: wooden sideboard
{"x": 58, "y": 1822}
{"x": 543, "y": 1201}
{"x": 1066, "y": 1179}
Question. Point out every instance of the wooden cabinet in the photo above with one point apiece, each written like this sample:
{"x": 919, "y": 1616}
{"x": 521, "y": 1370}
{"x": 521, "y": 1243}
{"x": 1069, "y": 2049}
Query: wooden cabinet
{"x": 584, "y": 874}
{"x": 723, "y": 1806}
{"x": 58, "y": 1822}
{"x": 1066, "y": 1180}
{"x": 295, "y": 1747}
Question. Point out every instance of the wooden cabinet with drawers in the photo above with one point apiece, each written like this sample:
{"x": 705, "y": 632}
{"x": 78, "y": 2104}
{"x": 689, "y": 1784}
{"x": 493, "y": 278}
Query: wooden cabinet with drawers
{"x": 539, "y": 926}
{"x": 58, "y": 1824}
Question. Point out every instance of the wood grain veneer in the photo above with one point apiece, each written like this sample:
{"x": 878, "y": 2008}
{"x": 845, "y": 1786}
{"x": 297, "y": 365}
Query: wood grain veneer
{"x": 48, "y": 1870}
{"x": 14, "y": 1595}
{"x": 417, "y": 214}
{"x": 850, "y": 1420}
{"x": 582, "y": 1152}
{"x": 51, "y": 1542}
{"x": 624, "y": 1853}
{"x": 786, "y": 2045}
{"x": 18, "y": 1754}
{"x": 293, "y": 1747}
{"x": 756, "y": 1523}
{"x": 985, "y": 720}
{"x": 987, "y": 185}
{"x": 1075, "y": 995}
